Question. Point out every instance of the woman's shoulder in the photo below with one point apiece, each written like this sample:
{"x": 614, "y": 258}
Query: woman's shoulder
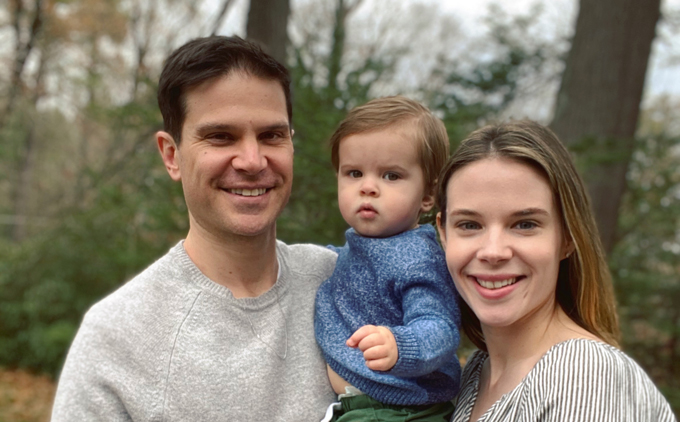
{"x": 589, "y": 361}
{"x": 596, "y": 376}
{"x": 580, "y": 354}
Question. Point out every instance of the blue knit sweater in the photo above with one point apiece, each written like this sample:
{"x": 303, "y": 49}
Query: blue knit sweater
{"x": 400, "y": 282}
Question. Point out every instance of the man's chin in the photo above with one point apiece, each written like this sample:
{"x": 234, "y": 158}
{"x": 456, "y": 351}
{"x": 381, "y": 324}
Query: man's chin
{"x": 252, "y": 226}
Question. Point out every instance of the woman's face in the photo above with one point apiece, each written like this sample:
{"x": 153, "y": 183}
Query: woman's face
{"x": 503, "y": 240}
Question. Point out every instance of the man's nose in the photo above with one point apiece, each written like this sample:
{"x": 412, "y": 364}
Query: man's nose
{"x": 249, "y": 157}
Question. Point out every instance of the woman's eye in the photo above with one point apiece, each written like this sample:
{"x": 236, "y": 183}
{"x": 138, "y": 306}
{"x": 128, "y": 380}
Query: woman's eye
{"x": 391, "y": 176}
{"x": 468, "y": 225}
{"x": 526, "y": 225}
{"x": 354, "y": 174}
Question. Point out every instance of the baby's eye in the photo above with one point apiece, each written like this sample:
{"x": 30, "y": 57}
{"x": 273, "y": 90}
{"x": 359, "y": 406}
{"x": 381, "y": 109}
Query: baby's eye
{"x": 354, "y": 174}
{"x": 391, "y": 176}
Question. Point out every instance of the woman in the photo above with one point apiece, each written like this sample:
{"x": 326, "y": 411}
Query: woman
{"x": 524, "y": 252}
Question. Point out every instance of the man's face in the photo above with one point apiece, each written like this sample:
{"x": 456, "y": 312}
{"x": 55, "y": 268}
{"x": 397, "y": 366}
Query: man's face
{"x": 235, "y": 159}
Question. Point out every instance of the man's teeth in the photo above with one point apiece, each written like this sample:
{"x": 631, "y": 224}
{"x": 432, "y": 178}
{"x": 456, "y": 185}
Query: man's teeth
{"x": 496, "y": 284}
{"x": 248, "y": 192}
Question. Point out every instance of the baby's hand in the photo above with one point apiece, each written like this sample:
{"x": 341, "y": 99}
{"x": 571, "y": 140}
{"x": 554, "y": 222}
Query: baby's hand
{"x": 378, "y": 345}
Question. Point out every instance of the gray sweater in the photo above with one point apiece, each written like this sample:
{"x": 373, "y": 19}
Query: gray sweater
{"x": 172, "y": 345}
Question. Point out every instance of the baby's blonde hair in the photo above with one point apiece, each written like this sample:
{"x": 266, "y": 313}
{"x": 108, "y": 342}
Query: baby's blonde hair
{"x": 428, "y": 131}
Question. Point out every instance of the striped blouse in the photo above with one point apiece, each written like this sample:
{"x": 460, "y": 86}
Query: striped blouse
{"x": 577, "y": 380}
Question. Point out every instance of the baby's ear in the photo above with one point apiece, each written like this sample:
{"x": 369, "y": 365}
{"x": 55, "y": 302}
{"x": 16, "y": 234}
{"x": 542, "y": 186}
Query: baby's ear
{"x": 427, "y": 203}
{"x": 428, "y": 200}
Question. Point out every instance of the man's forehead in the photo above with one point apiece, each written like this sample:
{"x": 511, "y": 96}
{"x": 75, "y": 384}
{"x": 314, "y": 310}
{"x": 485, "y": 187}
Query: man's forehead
{"x": 234, "y": 100}
{"x": 235, "y": 74}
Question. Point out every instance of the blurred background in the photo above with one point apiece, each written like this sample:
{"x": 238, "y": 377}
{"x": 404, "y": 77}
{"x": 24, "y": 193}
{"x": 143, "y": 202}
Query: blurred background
{"x": 85, "y": 203}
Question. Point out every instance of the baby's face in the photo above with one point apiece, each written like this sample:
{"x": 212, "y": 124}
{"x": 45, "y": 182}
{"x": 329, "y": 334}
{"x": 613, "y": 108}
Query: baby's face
{"x": 381, "y": 187}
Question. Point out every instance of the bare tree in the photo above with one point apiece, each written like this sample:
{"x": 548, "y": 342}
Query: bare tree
{"x": 268, "y": 25}
{"x": 599, "y": 99}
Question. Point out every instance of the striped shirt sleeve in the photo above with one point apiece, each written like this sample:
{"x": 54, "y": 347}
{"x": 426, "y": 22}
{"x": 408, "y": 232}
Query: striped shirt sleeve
{"x": 577, "y": 380}
{"x": 585, "y": 380}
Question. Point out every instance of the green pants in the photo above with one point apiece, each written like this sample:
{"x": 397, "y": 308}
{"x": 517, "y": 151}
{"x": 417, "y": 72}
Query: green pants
{"x": 365, "y": 409}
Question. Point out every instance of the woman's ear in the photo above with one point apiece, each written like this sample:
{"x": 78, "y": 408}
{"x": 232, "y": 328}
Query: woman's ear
{"x": 568, "y": 248}
{"x": 441, "y": 230}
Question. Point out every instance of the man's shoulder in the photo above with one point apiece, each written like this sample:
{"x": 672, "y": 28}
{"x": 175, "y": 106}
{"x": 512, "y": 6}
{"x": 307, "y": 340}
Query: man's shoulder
{"x": 307, "y": 259}
{"x": 145, "y": 293}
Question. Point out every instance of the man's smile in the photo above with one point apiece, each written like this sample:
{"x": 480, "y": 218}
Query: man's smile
{"x": 248, "y": 192}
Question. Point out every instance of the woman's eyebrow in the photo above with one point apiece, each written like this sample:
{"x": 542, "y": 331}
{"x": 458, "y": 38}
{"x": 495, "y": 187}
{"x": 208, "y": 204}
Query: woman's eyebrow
{"x": 464, "y": 212}
{"x": 530, "y": 211}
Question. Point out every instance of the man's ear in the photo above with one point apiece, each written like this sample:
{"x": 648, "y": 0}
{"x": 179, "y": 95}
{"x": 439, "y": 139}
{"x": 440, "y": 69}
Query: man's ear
{"x": 441, "y": 230}
{"x": 169, "y": 152}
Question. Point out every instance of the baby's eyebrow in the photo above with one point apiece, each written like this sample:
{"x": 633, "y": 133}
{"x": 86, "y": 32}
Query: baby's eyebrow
{"x": 395, "y": 168}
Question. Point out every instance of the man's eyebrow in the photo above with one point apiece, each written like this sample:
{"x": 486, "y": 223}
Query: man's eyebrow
{"x": 217, "y": 127}
{"x": 226, "y": 127}
{"x": 275, "y": 126}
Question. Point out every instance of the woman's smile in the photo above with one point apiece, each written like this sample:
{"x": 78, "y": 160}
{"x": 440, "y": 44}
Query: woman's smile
{"x": 503, "y": 240}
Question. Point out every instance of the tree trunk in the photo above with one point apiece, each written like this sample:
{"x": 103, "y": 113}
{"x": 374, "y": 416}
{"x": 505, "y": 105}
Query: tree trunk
{"x": 268, "y": 25}
{"x": 22, "y": 193}
{"x": 599, "y": 100}
{"x": 22, "y": 49}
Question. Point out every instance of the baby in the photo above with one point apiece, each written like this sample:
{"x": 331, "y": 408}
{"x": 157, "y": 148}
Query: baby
{"x": 387, "y": 320}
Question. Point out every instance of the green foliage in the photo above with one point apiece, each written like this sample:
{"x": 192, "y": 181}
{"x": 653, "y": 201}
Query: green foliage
{"x": 645, "y": 260}
{"x": 48, "y": 282}
{"x": 129, "y": 216}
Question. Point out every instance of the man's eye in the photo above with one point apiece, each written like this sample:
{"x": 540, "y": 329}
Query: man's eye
{"x": 219, "y": 136}
{"x": 391, "y": 176}
{"x": 354, "y": 174}
{"x": 270, "y": 136}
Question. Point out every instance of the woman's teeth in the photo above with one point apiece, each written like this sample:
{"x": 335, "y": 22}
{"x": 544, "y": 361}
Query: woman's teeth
{"x": 496, "y": 284}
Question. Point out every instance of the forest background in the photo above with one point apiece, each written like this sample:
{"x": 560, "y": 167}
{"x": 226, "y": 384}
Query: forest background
{"x": 85, "y": 203}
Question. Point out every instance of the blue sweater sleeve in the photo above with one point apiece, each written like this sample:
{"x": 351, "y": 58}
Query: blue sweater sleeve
{"x": 336, "y": 249}
{"x": 429, "y": 336}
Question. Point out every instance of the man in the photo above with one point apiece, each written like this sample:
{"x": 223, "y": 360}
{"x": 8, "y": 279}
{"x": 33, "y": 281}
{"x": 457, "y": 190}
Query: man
{"x": 220, "y": 328}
